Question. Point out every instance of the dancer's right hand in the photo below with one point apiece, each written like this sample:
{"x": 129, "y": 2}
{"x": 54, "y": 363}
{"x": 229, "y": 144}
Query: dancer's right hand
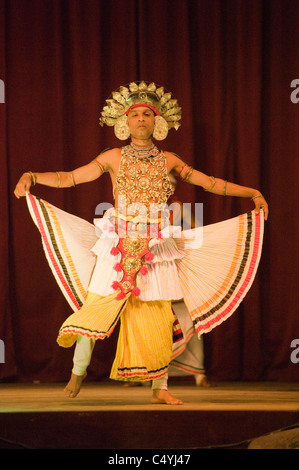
{"x": 23, "y": 186}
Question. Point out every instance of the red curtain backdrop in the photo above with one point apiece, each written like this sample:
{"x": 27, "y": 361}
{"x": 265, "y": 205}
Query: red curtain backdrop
{"x": 230, "y": 63}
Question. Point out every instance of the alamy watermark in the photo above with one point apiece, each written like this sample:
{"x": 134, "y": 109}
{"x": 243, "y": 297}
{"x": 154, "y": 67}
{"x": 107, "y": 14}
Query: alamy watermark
{"x": 2, "y": 352}
{"x": 153, "y": 220}
{"x": 2, "y": 91}
{"x": 295, "y": 93}
{"x": 295, "y": 353}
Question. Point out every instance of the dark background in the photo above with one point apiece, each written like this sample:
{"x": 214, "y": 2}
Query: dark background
{"x": 230, "y": 63}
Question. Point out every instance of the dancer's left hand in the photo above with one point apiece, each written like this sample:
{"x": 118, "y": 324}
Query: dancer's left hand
{"x": 261, "y": 204}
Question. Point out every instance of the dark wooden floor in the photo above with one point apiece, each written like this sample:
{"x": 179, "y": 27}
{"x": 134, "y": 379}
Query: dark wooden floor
{"x": 110, "y": 416}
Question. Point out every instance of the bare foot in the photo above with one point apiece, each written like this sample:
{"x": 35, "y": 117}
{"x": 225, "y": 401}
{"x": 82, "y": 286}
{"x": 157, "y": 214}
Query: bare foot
{"x": 202, "y": 381}
{"x": 73, "y": 387}
{"x": 163, "y": 396}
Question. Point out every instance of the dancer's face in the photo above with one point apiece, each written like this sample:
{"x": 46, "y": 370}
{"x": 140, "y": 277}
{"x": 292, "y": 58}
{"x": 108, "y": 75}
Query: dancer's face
{"x": 141, "y": 122}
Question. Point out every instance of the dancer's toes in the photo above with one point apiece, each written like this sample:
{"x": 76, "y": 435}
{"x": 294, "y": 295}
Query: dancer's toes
{"x": 202, "y": 381}
{"x": 74, "y": 385}
{"x": 164, "y": 397}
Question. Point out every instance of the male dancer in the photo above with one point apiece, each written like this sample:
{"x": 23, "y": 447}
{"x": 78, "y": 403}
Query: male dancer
{"x": 146, "y": 272}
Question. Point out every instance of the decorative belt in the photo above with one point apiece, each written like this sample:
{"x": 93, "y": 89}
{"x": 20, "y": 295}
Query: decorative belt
{"x": 134, "y": 250}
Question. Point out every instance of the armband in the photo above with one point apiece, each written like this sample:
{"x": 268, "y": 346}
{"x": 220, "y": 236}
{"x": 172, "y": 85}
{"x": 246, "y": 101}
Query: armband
{"x": 99, "y": 165}
{"x": 187, "y": 174}
{"x": 212, "y": 185}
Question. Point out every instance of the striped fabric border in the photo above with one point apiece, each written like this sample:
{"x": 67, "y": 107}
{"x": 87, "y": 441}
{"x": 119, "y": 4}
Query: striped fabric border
{"x": 187, "y": 368}
{"x": 78, "y": 287}
{"x": 140, "y": 373}
{"x": 231, "y": 295}
{"x": 180, "y": 346}
{"x": 56, "y": 251}
{"x": 178, "y": 336}
{"x": 177, "y": 330}
{"x": 68, "y": 333}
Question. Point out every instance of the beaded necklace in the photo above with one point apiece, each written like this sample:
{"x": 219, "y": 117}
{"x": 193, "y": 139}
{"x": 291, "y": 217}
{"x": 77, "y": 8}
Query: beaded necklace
{"x": 134, "y": 150}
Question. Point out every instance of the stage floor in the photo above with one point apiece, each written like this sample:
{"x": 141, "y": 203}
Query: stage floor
{"x": 108, "y": 415}
{"x": 105, "y": 396}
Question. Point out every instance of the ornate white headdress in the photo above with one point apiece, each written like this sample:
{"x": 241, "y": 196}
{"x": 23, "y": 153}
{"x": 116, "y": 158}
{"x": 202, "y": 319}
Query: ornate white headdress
{"x": 166, "y": 109}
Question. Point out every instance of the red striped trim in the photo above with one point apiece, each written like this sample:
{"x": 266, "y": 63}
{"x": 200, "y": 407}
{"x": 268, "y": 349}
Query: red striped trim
{"x": 79, "y": 331}
{"x": 50, "y": 253}
{"x": 183, "y": 344}
{"x": 189, "y": 370}
{"x": 221, "y": 316}
{"x": 140, "y": 374}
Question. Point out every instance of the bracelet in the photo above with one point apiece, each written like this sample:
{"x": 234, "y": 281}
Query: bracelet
{"x": 212, "y": 185}
{"x": 59, "y": 180}
{"x": 72, "y": 178}
{"x": 254, "y": 197}
{"x": 32, "y": 176}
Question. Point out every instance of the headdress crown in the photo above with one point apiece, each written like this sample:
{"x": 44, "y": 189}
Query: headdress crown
{"x": 141, "y": 93}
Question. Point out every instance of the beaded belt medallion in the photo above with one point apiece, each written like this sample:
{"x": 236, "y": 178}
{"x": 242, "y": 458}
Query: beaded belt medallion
{"x": 134, "y": 252}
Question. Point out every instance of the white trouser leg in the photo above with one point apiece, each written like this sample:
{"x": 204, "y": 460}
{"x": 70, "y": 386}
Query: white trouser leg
{"x": 160, "y": 384}
{"x": 82, "y": 354}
